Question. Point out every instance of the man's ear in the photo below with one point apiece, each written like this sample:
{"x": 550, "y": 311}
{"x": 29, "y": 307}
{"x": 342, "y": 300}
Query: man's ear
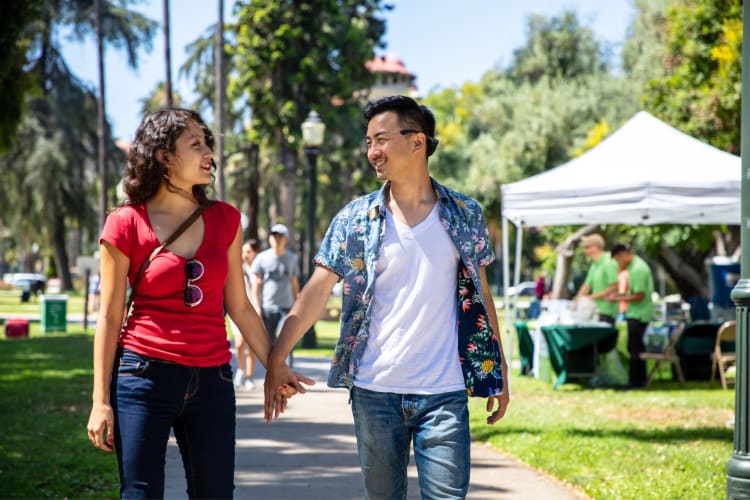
{"x": 418, "y": 142}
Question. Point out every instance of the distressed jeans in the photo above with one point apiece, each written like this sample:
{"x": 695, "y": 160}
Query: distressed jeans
{"x": 149, "y": 398}
{"x": 385, "y": 425}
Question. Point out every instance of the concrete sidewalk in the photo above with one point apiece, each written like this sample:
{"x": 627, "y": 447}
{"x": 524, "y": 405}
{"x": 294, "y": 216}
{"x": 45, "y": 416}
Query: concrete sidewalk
{"x": 310, "y": 453}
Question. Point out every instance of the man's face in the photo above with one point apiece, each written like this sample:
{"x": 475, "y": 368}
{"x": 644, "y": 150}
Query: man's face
{"x": 388, "y": 151}
{"x": 589, "y": 250}
{"x": 277, "y": 240}
{"x": 623, "y": 259}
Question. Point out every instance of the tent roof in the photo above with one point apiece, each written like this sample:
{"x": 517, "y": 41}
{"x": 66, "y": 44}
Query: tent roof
{"x": 646, "y": 172}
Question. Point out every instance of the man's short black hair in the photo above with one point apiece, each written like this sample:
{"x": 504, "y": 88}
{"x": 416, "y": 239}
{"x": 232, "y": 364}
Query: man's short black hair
{"x": 619, "y": 248}
{"x": 410, "y": 114}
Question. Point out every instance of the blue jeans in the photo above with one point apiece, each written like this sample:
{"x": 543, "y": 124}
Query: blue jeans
{"x": 151, "y": 397}
{"x": 273, "y": 320}
{"x": 386, "y": 423}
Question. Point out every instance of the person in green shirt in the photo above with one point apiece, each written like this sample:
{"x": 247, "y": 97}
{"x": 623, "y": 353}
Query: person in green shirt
{"x": 601, "y": 279}
{"x": 640, "y": 308}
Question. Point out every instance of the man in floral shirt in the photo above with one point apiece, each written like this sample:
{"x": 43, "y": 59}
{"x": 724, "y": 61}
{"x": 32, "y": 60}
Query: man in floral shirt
{"x": 419, "y": 333}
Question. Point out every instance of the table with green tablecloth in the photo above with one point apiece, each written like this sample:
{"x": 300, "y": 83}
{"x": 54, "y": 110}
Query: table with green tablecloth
{"x": 574, "y": 349}
{"x": 525, "y": 347}
{"x": 695, "y": 348}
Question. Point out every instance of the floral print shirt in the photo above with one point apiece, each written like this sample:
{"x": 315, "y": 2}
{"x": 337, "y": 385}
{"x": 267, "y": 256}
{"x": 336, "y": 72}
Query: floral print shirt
{"x": 350, "y": 249}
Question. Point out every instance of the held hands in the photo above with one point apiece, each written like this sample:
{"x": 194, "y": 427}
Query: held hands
{"x": 281, "y": 384}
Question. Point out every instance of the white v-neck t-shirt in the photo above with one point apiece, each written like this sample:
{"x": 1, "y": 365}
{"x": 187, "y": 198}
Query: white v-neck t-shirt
{"x": 412, "y": 346}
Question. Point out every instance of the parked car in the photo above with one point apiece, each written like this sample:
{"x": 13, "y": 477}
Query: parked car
{"x": 32, "y": 282}
{"x": 524, "y": 289}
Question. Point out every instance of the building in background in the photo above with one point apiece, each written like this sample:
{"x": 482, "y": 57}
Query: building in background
{"x": 391, "y": 78}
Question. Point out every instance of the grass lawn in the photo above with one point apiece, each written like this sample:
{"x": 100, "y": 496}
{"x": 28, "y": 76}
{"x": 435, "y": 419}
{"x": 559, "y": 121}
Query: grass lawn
{"x": 660, "y": 443}
{"x": 45, "y": 398}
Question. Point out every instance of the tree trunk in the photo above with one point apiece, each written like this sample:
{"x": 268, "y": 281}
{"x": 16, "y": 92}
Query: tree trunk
{"x": 167, "y": 57}
{"x": 253, "y": 189}
{"x": 689, "y": 280}
{"x": 565, "y": 251}
{"x": 288, "y": 192}
{"x": 60, "y": 252}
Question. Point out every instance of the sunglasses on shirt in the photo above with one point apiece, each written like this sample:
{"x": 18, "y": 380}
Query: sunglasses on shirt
{"x": 193, "y": 295}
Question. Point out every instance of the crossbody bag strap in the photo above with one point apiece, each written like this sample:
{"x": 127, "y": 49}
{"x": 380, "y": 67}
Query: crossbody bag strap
{"x": 176, "y": 234}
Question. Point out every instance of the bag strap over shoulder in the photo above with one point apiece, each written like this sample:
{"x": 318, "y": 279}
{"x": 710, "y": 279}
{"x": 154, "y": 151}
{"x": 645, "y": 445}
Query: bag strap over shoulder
{"x": 176, "y": 234}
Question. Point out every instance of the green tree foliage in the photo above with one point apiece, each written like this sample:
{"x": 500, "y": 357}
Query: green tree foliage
{"x": 15, "y": 81}
{"x": 558, "y": 47}
{"x": 693, "y": 52}
{"x": 528, "y": 118}
{"x": 700, "y": 92}
{"x": 293, "y": 56}
{"x": 51, "y": 185}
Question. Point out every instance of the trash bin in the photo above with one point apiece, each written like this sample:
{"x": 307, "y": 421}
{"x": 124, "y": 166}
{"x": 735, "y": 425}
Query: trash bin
{"x": 54, "y": 313}
{"x": 17, "y": 328}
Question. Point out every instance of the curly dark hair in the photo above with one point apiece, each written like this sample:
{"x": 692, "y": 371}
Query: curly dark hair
{"x": 159, "y": 130}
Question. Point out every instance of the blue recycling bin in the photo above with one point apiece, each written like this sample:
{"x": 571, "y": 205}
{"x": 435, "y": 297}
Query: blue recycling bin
{"x": 725, "y": 272}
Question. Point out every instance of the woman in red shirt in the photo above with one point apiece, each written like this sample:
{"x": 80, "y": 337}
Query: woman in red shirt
{"x": 168, "y": 366}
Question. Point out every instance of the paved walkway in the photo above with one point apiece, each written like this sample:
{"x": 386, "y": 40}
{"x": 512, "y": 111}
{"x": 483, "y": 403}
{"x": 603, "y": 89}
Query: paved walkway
{"x": 310, "y": 453}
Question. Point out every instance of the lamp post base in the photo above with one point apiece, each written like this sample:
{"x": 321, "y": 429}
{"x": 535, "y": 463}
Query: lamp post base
{"x": 738, "y": 478}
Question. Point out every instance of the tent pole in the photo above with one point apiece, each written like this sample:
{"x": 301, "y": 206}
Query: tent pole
{"x": 517, "y": 266}
{"x": 506, "y": 305}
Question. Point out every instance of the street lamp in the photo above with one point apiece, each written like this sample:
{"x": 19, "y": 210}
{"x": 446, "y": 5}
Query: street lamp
{"x": 313, "y": 132}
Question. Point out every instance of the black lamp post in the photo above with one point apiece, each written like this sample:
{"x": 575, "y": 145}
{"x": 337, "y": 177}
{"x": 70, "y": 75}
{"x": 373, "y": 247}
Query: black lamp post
{"x": 738, "y": 466}
{"x": 313, "y": 132}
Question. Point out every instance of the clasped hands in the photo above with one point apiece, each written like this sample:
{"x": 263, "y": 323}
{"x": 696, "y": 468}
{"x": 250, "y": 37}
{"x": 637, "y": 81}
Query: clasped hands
{"x": 281, "y": 384}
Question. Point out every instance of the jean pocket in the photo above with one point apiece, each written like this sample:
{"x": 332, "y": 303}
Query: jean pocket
{"x": 225, "y": 373}
{"x": 132, "y": 365}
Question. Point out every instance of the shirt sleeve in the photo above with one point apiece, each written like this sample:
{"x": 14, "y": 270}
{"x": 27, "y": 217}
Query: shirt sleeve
{"x": 482, "y": 245}
{"x": 638, "y": 280}
{"x": 590, "y": 276}
{"x": 118, "y": 229}
{"x": 612, "y": 272}
{"x": 331, "y": 254}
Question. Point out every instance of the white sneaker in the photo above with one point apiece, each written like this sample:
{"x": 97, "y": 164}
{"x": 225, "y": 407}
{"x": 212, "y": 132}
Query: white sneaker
{"x": 238, "y": 377}
{"x": 249, "y": 384}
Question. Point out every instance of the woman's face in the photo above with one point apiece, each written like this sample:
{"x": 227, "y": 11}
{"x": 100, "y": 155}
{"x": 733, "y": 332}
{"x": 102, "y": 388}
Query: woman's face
{"x": 192, "y": 160}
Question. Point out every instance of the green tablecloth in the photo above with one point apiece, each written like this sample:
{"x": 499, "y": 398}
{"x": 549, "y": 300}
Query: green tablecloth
{"x": 695, "y": 348}
{"x": 565, "y": 339}
{"x": 525, "y": 347}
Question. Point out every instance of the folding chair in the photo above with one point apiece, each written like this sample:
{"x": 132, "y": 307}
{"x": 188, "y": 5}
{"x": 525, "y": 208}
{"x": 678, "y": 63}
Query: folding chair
{"x": 722, "y": 359}
{"x": 669, "y": 355}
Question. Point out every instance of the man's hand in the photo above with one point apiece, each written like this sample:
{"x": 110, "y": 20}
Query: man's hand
{"x": 502, "y": 405}
{"x": 281, "y": 384}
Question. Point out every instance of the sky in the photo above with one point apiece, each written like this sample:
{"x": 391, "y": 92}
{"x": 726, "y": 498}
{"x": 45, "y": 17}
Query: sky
{"x": 443, "y": 42}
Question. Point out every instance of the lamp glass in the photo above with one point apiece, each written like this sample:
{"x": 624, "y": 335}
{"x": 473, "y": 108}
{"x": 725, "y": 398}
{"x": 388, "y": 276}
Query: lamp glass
{"x": 313, "y": 130}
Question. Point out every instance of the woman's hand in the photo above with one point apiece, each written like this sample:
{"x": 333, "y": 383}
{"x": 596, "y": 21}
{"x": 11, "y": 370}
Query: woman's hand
{"x": 101, "y": 423}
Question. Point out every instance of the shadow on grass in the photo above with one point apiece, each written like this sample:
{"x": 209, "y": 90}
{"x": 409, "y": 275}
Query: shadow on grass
{"x": 45, "y": 398}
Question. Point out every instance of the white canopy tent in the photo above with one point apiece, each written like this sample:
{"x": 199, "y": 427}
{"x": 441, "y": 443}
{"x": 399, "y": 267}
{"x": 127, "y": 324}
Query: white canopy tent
{"x": 646, "y": 172}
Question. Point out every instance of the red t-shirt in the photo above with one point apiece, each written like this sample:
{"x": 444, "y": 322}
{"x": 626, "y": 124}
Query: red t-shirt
{"x": 161, "y": 325}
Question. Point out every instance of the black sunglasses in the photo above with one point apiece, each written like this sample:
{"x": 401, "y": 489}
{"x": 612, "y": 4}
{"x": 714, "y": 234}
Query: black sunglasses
{"x": 193, "y": 295}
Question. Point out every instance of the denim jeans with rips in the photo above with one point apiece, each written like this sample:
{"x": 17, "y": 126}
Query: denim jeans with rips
{"x": 149, "y": 398}
{"x": 385, "y": 425}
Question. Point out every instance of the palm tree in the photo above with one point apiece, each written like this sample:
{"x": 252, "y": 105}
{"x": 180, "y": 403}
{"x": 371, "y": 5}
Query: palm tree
{"x": 53, "y": 155}
{"x": 167, "y": 56}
